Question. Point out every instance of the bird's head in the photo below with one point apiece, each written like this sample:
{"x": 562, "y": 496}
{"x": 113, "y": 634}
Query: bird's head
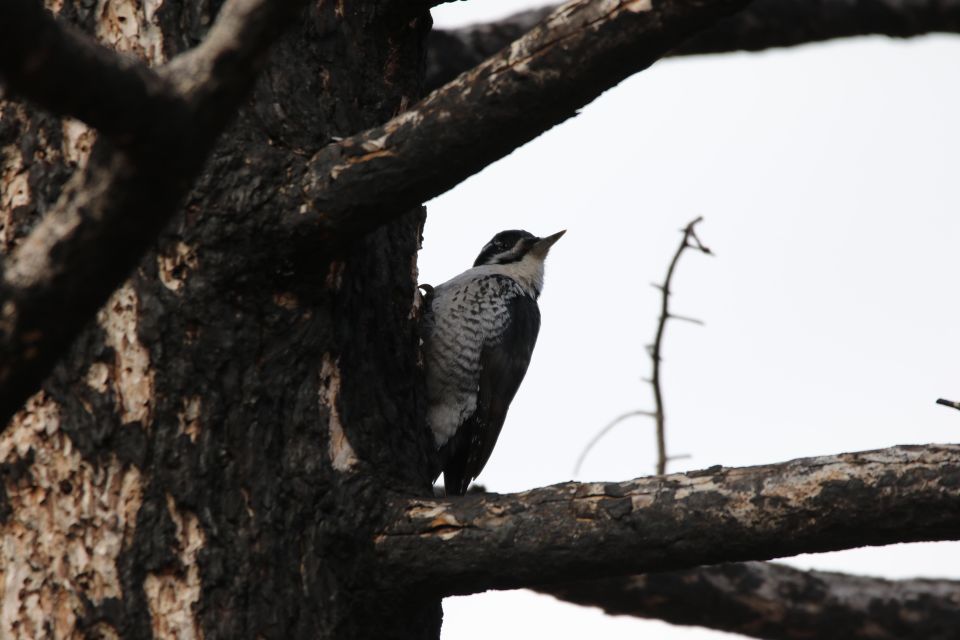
{"x": 514, "y": 245}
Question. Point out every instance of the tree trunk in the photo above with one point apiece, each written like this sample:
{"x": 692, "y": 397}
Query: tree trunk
{"x": 212, "y": 457}
{"x": 234, "y": 446}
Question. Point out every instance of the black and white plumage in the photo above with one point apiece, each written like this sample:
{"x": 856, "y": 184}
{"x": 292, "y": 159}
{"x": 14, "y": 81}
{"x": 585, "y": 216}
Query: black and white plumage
{"x": 480, "y": 330}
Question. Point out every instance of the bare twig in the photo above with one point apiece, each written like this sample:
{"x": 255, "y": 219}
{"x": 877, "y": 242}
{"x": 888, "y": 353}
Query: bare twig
{"x": 690, "y": 241}
{"x": 605, "y": 431}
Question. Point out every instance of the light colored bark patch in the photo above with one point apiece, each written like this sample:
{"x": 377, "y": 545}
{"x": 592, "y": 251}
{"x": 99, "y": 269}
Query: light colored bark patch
{"x": 639, "y": 6}
{"x": 171, "y": 595}
{"x": 77, "y": 141}
{"x": 133, "y": 376}
{"x": 189, "y": 418}
{"x": 98, "y": 377}
{"x": 286, "y": 300}
{"x": 174, "y": 265}
{"x": 417, "y": 306}
{"x": 342, "y": 456}
{"x": 14, "y": 192}
{"x": 17, "y": 192}
{"x": 67, "y": 525}
{"x": 132, "y": 27}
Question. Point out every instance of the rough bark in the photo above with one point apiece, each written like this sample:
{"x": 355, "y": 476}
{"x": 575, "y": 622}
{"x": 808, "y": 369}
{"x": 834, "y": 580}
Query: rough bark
{"x": 209, "y": 457}
{"x": 763, "y": 24}
{"x": 135, "y": 178}
{"x": 220, "y": 451}
{"x": 68, "y": 73}
{"x": 777, "y": 602}
{"x": 578, "y": 531}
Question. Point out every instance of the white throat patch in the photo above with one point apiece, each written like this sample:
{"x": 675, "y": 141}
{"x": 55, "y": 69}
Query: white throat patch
{"x": 528, "y": 273}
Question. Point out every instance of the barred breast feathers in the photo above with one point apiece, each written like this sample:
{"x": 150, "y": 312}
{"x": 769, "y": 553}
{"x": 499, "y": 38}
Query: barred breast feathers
{"x": 468, "y": 312}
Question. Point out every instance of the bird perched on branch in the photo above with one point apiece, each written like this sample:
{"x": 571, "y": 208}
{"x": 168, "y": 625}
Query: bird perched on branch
{"x": 479, "y": 332}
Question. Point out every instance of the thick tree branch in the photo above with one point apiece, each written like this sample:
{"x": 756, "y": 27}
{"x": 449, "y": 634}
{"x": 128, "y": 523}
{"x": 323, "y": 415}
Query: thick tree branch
{"x": 582, "y": 50}
{"x": 110, "y": 213}
{"x": 762, "y": 25}
{"x": 579, "y": 531}
{"x": 68, "y": 73}
{"x": 777, "y": 602}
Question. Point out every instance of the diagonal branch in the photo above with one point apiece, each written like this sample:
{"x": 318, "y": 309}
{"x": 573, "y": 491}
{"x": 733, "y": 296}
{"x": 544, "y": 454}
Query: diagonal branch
{"x": 110, "y": 213}
{"x": 777, "y": 602}
{"x": 67, "y": 72}
{"x": 575, "y": 531}
{"x": 764, "y": 24}
{"x": 580, "y": 51}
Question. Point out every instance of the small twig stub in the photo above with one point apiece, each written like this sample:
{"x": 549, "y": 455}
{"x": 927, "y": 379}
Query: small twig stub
{"x": 948, "y": 403}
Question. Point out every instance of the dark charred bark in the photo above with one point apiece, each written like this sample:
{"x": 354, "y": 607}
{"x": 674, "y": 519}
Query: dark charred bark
{"x": 764, "y": 24}
{"x": 260, "y": 408}
{"x": 136, "y": 176}
{"x": 63, "y": 70}
{"x": 234, "y": 446}
{"x": 777, "y": 602}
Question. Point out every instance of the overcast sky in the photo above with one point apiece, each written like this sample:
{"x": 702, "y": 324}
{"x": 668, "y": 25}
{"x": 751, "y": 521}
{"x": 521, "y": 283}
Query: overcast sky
{"x": 828, "y": 179}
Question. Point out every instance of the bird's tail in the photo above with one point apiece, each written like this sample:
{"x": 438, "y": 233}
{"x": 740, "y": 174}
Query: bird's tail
{"x": 455, "y": 482}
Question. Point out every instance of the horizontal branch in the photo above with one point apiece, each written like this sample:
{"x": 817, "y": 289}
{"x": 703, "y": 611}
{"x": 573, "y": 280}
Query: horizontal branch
{"x": 777, "y": 602}
{"x": 577, "y": 531}
{"x": 111, "y": 211}
{"x": 580, "y": 51}
{"x": 764, "y": 24}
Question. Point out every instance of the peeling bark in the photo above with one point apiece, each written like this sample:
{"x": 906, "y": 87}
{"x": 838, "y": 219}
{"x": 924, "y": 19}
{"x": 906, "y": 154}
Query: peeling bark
{"x": 63, "y": 525}
{"x": 172, "y": 595}
{"x": 777, "y": 602}
{"x": 174, "y": 266}
{"x": 342, "y": 456}
{"x": 132, "y": 374}
{"x": 763, "y": 24}
{"x": 578, "y": 531}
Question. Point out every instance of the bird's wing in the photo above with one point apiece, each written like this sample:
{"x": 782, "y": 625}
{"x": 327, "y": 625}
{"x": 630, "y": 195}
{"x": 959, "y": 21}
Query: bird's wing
{"x": 503, "y": 363}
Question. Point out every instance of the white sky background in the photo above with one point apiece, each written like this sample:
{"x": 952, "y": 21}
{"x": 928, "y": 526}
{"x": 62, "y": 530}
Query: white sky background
{"x": 829, "y": 179}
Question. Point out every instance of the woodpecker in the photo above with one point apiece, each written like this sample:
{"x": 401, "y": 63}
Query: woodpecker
{"x": 479, "y": 332}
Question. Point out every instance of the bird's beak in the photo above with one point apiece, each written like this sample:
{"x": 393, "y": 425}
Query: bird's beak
{"x": 542, "y": 246}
